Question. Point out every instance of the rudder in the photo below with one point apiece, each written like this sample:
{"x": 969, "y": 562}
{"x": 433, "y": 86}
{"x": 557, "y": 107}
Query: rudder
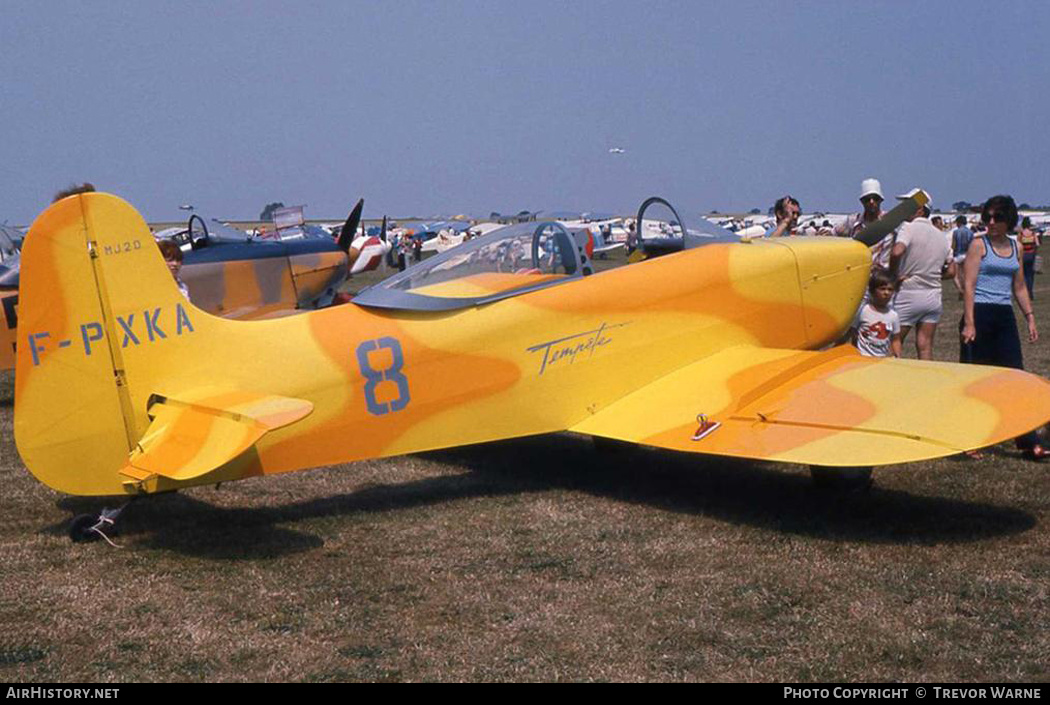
{"x": 99, "y": 313}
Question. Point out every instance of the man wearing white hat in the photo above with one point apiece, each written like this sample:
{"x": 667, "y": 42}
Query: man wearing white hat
{"x": 871, "y": 198}
{"x": 921, "y": 257}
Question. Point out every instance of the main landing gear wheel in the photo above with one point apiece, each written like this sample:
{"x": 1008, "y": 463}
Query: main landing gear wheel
{"x": 847, "y": 479}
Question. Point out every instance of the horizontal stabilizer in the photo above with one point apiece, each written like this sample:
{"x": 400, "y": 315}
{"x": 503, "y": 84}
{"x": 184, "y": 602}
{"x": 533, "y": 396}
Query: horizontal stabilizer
{"x": 833, "y": 408}
{"x": 199, "y": 432}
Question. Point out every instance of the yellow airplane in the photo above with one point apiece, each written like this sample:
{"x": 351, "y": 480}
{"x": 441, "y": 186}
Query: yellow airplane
{"x": 124, "y": 388}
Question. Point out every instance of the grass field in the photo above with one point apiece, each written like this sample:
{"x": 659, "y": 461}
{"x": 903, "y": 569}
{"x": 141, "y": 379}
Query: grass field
{"x": 542, "y": 559}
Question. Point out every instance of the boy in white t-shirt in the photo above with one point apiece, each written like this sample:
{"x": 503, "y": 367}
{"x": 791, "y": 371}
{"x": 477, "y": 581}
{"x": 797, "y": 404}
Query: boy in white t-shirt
{"x": 876, "y": 332}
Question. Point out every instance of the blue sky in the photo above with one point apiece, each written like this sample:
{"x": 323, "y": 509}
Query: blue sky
{"x": 451, "y": 107}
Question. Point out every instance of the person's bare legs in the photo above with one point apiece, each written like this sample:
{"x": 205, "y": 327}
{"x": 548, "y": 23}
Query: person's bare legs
{"x": 924, "y": 335}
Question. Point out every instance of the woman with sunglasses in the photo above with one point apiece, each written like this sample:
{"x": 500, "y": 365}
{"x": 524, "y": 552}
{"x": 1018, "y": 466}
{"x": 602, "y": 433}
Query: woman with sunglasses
{"x": 991, "y": 279}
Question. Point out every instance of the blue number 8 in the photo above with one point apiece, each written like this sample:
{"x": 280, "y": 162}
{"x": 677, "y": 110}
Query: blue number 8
{"x": 374, "y": 377}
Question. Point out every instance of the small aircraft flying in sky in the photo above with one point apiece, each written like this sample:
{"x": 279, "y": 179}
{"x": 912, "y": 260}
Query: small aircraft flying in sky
{"x": 617, "y": 150}
{"x": 124, "y": 388}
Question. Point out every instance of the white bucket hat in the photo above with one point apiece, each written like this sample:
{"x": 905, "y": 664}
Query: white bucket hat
{"x": 869, "y": 187}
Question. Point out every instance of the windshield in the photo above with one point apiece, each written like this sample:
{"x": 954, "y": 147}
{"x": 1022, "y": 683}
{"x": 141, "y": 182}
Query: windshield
{"x": 303, "y": 232}
{"x": 503, "y": 263}
{"x": 198, "y": 231}
{"x": 661, "y": 221}
{"x": 217, "y": 231}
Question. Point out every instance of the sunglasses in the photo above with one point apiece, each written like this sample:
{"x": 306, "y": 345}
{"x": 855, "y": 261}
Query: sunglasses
{"x": 992, "y": 216}
{"x": 871, "y": 198}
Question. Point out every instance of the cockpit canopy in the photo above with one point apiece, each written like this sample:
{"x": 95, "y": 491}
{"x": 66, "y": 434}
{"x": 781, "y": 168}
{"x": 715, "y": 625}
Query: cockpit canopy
{"x": 503, "y": 263}
{"x": 661, "y": 229}
{"x": 525, "y": 257}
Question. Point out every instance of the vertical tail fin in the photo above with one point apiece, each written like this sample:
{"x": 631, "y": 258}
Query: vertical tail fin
{"x": 100, "y": 316}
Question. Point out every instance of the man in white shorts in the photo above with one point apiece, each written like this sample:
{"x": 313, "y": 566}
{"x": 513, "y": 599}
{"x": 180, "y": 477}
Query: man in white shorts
{"x": 920, "y": 258}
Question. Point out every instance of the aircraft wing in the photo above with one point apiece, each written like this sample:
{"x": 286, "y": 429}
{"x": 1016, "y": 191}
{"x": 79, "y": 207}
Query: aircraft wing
{"x": 833, "y": 408}
{"x": 205, "y": 429}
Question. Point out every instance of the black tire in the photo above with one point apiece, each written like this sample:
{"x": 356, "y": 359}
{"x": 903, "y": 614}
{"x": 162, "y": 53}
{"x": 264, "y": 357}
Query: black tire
{"x": 80, "y": 528}
{"x": 848, "y": 479}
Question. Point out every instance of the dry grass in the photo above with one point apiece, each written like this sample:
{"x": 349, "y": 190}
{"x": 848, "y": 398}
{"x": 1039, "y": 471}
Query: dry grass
{"x": 541, "y": 559}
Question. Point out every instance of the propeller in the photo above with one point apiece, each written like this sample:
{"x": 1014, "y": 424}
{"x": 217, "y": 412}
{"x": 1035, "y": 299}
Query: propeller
{"x": 882, "y": 227}
{"x": 346, "y": 235}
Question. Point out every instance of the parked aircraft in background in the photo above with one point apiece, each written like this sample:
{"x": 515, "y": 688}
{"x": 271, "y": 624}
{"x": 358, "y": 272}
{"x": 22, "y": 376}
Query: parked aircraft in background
{"x": 236, "y": 275}
{"x": 10, "y": 260}
{"x": 715, "y": 349}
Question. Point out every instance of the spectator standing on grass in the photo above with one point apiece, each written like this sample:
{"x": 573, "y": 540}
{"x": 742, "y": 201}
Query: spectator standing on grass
{"x": 871, "y": 199}
{"x": 876, "y": 331}
{"x": 988, "y": 329}
{"x": 632, "y": 237}
{"x": 1029, "y": 241}
{"x": 786, "y": 211}
{"x": 962, "y": 236}
{"x": 920, "y": 258}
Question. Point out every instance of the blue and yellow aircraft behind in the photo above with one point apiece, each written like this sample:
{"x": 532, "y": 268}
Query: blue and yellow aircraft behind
{"x": 232, "y": 274}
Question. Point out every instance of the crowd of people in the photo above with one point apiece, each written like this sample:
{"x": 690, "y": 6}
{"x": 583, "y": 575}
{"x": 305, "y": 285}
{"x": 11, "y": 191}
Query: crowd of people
{"x": 992, "y": 267}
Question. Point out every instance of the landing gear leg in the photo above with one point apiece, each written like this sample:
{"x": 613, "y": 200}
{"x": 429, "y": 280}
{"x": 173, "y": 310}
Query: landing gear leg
{"x": 91, "y": 527}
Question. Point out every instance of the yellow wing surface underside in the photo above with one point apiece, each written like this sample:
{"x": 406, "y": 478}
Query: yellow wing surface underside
{"x": 832, "y": 408}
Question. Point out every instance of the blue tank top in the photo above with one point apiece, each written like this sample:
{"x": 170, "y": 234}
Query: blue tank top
{"x": 995, "y": 280}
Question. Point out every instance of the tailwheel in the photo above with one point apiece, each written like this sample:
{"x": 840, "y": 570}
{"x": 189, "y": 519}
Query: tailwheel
{"x": 843, "y": 479}
{"x": 86, "y": 528}
{"x": 81, "y": 529}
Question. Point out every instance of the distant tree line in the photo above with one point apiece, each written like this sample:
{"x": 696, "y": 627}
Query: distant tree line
{"x": 267, "y": 212}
